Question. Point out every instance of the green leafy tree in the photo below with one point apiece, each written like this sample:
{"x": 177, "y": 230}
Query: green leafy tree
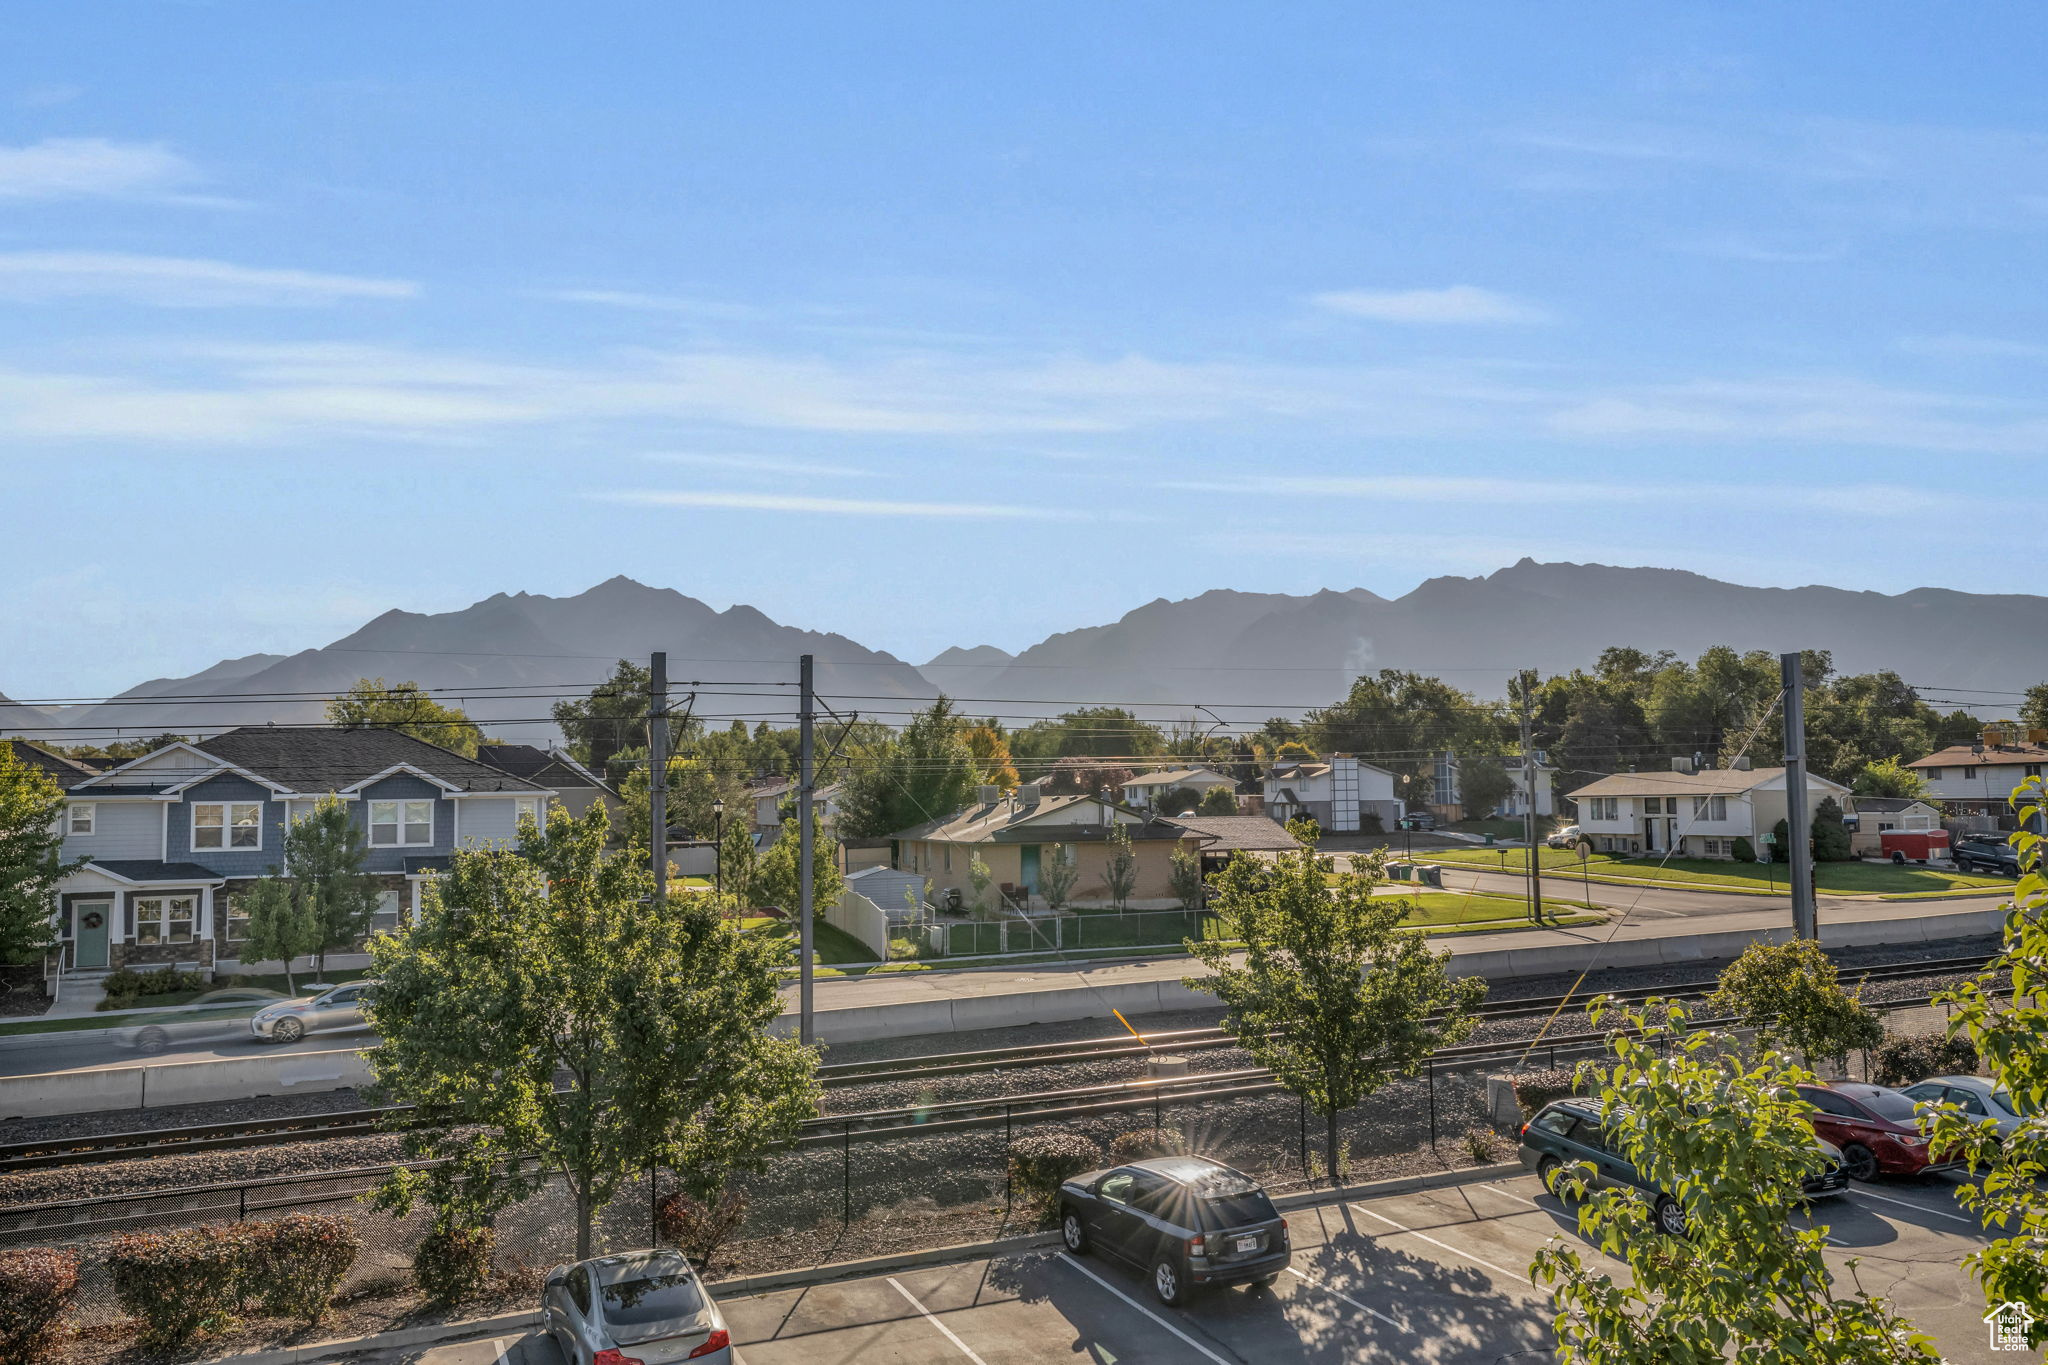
{"x": 1120, "y": 869}
{"x": 281, "y": 925}
{"x": 1175, "y": 800}
{"x": 978, "y": 878}
{"x": 408, "y": 709}
{"x": 992, "y": 761}
{"x": 694, "y": 788}
{"x": 1793, "y": 996}
{"x": 1057, "y": 873}
{"x": 1397, "y": 719}
{"x": 544, "y": 1007}
{"x": 2010, "y": 1033}
{"x": 1185, "y": 875}
{"x": 1889, "y": 777}
{"x": 31, "y": 857}
{"x": 1331, "y": 994}
{"x": 1098, "y": 732}
{"x": 2034, "y": 710}
{"x": 736, "y": 860}
{"x": 613, "y": 717}
{"x": 776, "y": 874}
{"x": 1830, "y": 836}
{"x": 1728, "y": 1141}
{"x": 1219, "y": 801}
{"x": 927, "y": 773}
{"x": 1483, "y": 783}
{"x": 320, "y": 899}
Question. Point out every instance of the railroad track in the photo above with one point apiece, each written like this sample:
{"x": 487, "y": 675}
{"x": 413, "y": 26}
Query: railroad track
{"x": 977, "y": 1112}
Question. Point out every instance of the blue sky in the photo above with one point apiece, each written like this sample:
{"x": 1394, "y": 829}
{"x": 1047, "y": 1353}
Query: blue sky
{"x": 943, "y": 323}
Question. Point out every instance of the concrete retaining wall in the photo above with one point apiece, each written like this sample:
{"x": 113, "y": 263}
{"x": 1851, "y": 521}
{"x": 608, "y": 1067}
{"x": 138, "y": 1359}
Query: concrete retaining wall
{"x": 148, "y": 1087}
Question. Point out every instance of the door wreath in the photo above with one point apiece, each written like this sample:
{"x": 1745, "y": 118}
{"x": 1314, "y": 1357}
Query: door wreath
{"x": 93, "y": 919}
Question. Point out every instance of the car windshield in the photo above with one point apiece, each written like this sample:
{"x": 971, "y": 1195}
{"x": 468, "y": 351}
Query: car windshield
{"x": 1890, "y": 1104}
{"x": 1232, "y": 1211}
{"x": 2004, "y": 1100}
{"x": 652, "y": 1299}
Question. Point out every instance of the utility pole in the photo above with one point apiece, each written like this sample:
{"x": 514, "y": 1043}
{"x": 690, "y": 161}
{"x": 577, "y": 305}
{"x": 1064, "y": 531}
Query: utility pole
{"x": 657, "y": 772}
{"x": 806, "y": 781}
{"x": 1529, "y": 801}
{"x": 1798, "y": 835}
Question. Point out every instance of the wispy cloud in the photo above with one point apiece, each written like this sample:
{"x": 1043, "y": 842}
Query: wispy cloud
{"x": 762, "y": 464}
{"x": 1869, "y": 500}
{"x": 1457, "y": 304}
{"x": 96, "y": 168}
{"x": 178, "y": 282}
{"x": 838, "y": 507}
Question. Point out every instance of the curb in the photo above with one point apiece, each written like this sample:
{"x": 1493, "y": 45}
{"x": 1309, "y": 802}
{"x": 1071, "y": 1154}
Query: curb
{"x": 748, "y": 1285}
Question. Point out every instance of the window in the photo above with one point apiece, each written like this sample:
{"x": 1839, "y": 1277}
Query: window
{"x": 2031, "y": 770}
{"x": 81, "y": 818}
{"x": 1710, "y": 808}
{"x": 949, "y": 858}
{"x": 1605, "y": 808}
{"x": 525, "y": 808}
{"x": 1933, "y": 774}
{"x": 385, "y": 918}
{"x": 238, "y": 921}
{"x": 229, "y": 824}
{"x": 165, "y": 919}
{"x": 1116, "y": 1186}
{"x": 401, "y": 824}
{"x": 1969, "y": 773}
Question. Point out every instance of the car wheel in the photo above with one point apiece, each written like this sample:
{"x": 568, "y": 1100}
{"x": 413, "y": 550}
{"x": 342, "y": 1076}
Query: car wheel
{"x": 1073, "y": 1233}
{"x": 1169, "y": 1283}
{"x": 1859, "y": 1162}
{"x": 1898, "y": 858}
{"x": 1670, "y": 1217}
{"x": 1547, "y": 1171}
{"x": 152, "y": 1040}
{"x": 288, "y": 1031}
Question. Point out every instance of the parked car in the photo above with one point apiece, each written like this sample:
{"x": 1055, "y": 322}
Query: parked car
{"x": 640, "y": 1308}
{"x": 216, "y": 1016}
{"x": 1877, "y": 1128}
{"x": 1568, "y": 837}
{"x": 1188, "y": 1220}
{"x": 1979, "y": 1097}
{"x": 339, "y": 1007}
{"x": 1568, "y": 1132}
{"x": 1983, "y": 853}
{"x": 1419, "y": 820}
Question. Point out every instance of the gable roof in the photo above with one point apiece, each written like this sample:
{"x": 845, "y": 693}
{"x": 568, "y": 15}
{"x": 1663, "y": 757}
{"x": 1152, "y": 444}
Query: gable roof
{"x": 1229, "y": 833}
{"x": 540, "y": 767}
{"x": 1977, "y": 756}
{"x": 317, "y": 759}
{"x": 65, "y": 772}
{"x": 1706, "y": 782}
{"x": 1012, "y": 822}
{"x": 1178, "y": 777}
{"x": 1888, "y": 805}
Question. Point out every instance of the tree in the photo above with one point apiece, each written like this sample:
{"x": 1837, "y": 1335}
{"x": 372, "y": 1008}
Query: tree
{"x": 545, "y": 1007}
{"x": 992, "y": 762}
{"x": 1102, "y": 732}
{"x": 1400, "y": 720}
{"x": 927, "y": 772}
{"x": 1483, "y": 783}
{"x": 611, "y": 718}
{"x": 978, "y": 878}
{"x": 1120, "y": 871}
{"x": 1728, "y": 1140}
{"x": 1889, "y": 777}
{"x": 1331, "y": 994}
{"x": 1218, "y": 801}
{"x": 1791, "y": 993}
{"x": 776, "y": 876}
{"x": 2034, "y": 710}
{"x": 1176, "y": 801}
{"x": 2010, "y": 1033}
{"x": 1185, "y": 876}
{"x": 373, "y": 704}
{"x": 1057, "y": 873}
{"x": 280, "y": 925}
{"x": 1830, "y": 835}
{"x": 31, "y": 857}
{"x": 1078, "y": 776}
{"x": 736, "y": 860}
{"x": 694, "y": 785}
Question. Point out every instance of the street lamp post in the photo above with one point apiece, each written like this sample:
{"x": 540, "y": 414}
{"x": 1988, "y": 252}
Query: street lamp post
{"x": 718, "y": 847}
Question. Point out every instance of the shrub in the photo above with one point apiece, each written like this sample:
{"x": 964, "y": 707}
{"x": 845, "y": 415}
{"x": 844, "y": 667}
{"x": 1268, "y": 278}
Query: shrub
{"x": 453, "y": 1261}
{"x": 1745, "y": 851}
{"x": 1141, "y": 1143}
{"x": 1903, "y": 1058}
{"x": 36, "y": 1285}
{"x": 1482, "y": 1145}
{"x": 299, "y": 1261}
{"x": 1534, "y": 1089}
{"x": 1039, "y": 1162}
{"x": 699, "y": 1227}
{"x": 180, "y": 1283}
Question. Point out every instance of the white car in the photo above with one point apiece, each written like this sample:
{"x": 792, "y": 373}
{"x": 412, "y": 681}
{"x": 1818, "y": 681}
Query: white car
{"x": 641, "y": 1308}
{"x": 334, "y": 1009}
{"x": 1978, "y": 1097}
{"x": 1568, "y": 837}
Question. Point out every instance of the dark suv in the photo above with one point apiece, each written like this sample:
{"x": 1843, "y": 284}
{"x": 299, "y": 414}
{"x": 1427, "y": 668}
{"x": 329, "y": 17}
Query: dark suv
{"x": 1568, "y": 1132}
{"x": 1985, "y": 854}
{"x": 1189, "y": 1220}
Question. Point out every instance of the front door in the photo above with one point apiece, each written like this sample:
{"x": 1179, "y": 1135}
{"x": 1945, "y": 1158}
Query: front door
{"x": 91, "y": 923}
{"x": 1027, "y": 867}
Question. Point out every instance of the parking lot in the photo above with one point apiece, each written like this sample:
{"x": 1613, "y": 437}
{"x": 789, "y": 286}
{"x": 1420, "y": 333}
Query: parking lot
{"x": 1431, "y": 1276}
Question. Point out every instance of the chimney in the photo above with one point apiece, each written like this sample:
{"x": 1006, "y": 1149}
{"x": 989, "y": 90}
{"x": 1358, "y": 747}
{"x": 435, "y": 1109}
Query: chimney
{"x": 1681, "y": 765}
{"x": 1740, "y": 763}
{"x": 987, "y": 795}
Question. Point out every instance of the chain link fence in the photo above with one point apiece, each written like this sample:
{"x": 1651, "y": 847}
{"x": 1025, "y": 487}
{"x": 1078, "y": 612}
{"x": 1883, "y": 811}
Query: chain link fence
{"x": 1081, "y": 932}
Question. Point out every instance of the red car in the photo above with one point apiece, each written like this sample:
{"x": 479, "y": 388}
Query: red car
{"x": 1877, "y": 1129}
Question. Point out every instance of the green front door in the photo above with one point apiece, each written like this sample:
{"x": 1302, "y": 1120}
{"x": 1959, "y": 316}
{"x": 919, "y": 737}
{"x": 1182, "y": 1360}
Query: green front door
{"x": 1027, "y": 867}
{"x": 91, "y": 922}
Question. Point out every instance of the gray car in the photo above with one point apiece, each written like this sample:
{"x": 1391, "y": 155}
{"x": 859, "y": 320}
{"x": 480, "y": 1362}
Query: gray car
{"x": 216, "y": 1016}
{"x": 1979, "y": 1098}
{"x": 339, "y": 1007}
{"x": 644, "y": 1306}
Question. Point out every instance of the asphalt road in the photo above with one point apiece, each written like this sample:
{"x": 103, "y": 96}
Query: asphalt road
{"x": 90, "y": 1049}
{"x": 1438, "y": 1276}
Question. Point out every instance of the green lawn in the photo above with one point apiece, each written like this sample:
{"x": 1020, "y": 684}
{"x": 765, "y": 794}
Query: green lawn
{"x": 1847, "y": 878}
{"x": 1450, "y": 907}
{"x": 830, "y": 946}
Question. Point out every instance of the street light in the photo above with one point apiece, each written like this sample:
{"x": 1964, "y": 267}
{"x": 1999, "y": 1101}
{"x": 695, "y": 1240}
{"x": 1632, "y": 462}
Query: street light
{"x": 718, "y": 845}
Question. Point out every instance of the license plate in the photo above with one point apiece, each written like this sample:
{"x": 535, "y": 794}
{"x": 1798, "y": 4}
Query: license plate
{"x": 1247, "y": 1244}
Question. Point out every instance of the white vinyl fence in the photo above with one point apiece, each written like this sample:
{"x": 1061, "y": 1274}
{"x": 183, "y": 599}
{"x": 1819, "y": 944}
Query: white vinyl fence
{"x": 855, "y": 914}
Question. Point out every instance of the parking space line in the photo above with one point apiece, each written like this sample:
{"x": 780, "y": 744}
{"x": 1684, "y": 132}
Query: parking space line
{"x": 1455, "y": 1251}
{"x": 944, "y": 1330}
{"x": 1338, "y": 1293}
{"x": 1488, "y": 1184}
{"x": 1063, "y": 1256}
{"x": 1918, "y": 1208}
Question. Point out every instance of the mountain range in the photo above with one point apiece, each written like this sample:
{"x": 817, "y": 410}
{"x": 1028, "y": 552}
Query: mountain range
{"x": 1237, "y": 655}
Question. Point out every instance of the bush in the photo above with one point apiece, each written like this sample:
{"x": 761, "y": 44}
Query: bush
{"x": 1534, "y": 1089}
{"x": 699, "y": 1227}
{"x": 36, "y": 1285}
{"x": 1903, "y": 1058}
{"x": 1482, "y": 1145}
{"x": 1039, "y": 1163}
{"x": 1142, "y": 1143}
{"x": 180, "y": 1283}
{"x": 1745, "y": 851}
{"x": 299, "y": 1261}
{"x": 453, "y": 1261}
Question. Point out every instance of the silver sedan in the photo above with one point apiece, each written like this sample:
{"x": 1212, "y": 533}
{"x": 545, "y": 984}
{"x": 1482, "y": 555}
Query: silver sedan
{"x": 1978, "y": 1097}
{"x": 334, "y": 1009}
{"x": 644, "y": 1306}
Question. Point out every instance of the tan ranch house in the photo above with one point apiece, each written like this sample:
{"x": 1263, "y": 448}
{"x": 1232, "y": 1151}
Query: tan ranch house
{"x": 1014, "y": 836}
{"x": 1690, "y": 814}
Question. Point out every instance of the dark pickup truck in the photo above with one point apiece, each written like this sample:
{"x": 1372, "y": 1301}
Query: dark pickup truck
{"x": 1986, "y": 854}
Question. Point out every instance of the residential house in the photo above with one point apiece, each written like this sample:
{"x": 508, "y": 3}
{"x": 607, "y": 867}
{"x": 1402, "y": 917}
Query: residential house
{"x": 65, "y": 772}
{"x": 1869, "y": 817}
{"x": 1226, "y": 836}
{"x": 1012, "y": 836}
{"x": 1447, "y": 801}
{"x": 1692, "y": 814}
{"x": 1142, "y": 792}
{"x": 1975, "y": 780}
{"x": 576, "y": 788}
{"x": 1340, "y": 793}
{"x": 770, "y": 798}
{"x": 173, "y": 836}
